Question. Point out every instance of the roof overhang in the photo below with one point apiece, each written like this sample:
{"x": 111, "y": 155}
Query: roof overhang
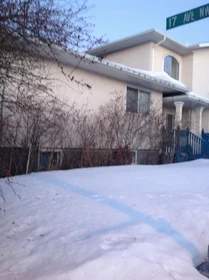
{"x": 119, "y": 72}
{"x": 190, "y": 100}
{"x": 152, "y": 35}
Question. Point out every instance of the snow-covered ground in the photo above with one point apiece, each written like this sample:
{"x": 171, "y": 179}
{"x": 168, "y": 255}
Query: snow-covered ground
{"x": 126, "y": 222}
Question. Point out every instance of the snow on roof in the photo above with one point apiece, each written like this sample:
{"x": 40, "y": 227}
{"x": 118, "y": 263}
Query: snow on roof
{"x": 190, "y": 98}
{"x": 203, "y": 45}
{"x": 161, "y": 77}
{"x": 197, "y": 97}
{"x": 198, "y": 46}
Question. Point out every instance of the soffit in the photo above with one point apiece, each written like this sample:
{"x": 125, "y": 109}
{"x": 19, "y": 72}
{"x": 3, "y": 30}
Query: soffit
{"x": 152, "y": 35}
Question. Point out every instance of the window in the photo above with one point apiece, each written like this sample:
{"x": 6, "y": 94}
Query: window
{"x": 137, "y": 101}
{"x": 171, "y": 67}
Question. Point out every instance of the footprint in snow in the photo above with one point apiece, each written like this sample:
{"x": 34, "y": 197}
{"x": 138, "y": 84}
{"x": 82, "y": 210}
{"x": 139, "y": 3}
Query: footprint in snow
{"x": 119, "y": 242}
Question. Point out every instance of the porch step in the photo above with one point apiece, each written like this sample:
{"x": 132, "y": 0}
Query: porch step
{"x": 184, "y": 145}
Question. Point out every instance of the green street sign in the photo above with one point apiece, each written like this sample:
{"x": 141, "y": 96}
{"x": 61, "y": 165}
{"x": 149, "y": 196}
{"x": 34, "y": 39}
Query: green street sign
{"x": 187, "y": 17}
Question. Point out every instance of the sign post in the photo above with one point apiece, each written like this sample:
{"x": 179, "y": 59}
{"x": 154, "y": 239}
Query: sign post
{"x": 187, "y": 17}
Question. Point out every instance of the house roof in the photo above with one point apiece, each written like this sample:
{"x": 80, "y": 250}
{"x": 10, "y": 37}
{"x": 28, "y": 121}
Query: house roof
{"x": 172, "y": 89}
{"x": 190, "y": 99}
{"x": 159, "y": 82}
{"x": 152, "y": 35}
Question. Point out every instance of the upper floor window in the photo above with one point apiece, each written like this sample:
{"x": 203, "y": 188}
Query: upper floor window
{"x": 137, "y": 101}
{"x": 171, "y": 67}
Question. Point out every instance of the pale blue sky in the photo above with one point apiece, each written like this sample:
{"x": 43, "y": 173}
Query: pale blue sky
{"x": 117, "y": 19}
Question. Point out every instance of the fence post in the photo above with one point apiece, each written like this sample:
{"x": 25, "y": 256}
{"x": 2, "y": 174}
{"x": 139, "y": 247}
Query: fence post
{"x": 163, "y": 139}
{"x": 187, "y": 140}
{"x": 39, "y": 153}
{"x": 202, "y": 134}
{"x": 177, "y": 143}
{"x": 28, "y": 161}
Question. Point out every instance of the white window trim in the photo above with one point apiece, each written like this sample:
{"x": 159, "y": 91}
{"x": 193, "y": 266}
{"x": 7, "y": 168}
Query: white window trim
{"x": 169, "y": 54}
{"x": 140, "y": 89}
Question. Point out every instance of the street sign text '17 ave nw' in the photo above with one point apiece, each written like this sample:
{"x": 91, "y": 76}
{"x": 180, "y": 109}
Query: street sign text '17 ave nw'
{"x": 187, "y": 17}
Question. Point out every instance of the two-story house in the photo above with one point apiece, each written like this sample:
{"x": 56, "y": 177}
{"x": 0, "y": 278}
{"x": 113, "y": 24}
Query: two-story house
{"x": 149, "y": 70}
{"x": 155, "y": 52}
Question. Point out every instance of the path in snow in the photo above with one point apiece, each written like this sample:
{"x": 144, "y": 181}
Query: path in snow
{"x": 135, "y": 216}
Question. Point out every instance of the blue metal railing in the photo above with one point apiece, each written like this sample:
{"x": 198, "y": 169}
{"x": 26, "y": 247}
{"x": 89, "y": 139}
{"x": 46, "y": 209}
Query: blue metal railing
{"x": 196, "y": 146}
{"x": 205, "y": 136}
{"x": 192, "y": 146}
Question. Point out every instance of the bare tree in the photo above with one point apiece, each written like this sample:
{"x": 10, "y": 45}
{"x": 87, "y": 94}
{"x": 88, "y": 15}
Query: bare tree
{"x": 111, "y": 129}
{"x": 30, "y": 32}
{"x": 121, "y": 128}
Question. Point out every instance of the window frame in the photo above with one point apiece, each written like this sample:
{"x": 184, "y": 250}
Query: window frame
{"x": 177, "y": 76}
{"x": 139, "y": 91}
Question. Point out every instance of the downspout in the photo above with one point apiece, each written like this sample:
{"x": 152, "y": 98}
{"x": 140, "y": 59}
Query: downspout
{"x": 153, "y": 51}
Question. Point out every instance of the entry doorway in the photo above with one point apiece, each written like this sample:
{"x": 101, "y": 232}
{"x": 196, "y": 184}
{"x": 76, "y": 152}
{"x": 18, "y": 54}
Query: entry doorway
{"x": 170, "y": 122}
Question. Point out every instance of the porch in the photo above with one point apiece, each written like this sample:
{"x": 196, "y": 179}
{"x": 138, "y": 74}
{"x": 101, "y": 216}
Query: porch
{"x": 186, "y": 127}
{"x": 183, "y": 145}
{"x": 186, "y": 111}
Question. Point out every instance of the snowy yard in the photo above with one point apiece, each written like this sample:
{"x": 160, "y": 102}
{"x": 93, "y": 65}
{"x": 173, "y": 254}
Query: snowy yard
{"x": 108, "y": 223}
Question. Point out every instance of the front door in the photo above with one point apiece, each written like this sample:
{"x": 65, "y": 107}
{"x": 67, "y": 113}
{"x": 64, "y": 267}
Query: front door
{"x": 170, "y": 120}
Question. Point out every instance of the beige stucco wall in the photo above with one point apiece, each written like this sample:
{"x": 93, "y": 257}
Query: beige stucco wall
{"x": 160, "y": 53}
{"x": 205, "y": 120}
{"x": 168, "y": 110}
{"x": 193, "y": 72}
{"x": 147, "y": 56}
{"x": 186, "y": 115}
{"x": 187, "y": 71}
{"x": 86, "y": 88}
{"x": 98, "y": 91}
{"x": 157, "y": 102}
{"x": 201, "y": 72}
{"x": 135, "y": 57}
{"x": 186, "y": 118}
{"x": 193, "y": 68}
